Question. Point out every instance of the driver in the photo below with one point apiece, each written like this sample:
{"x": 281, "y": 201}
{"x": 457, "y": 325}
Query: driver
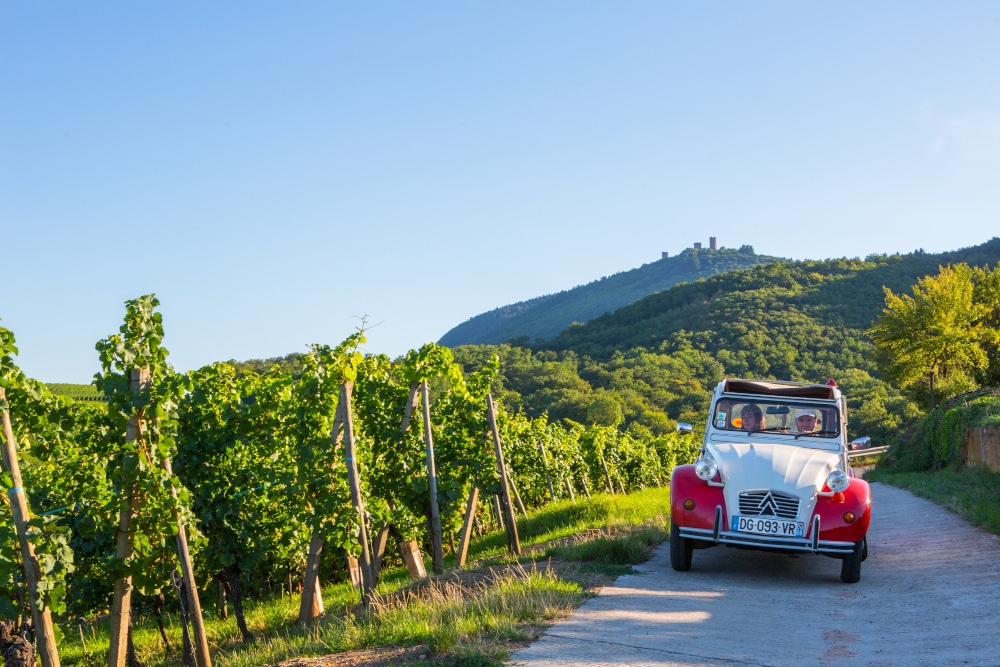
{"x": 805, "y": 420}
{"x": 753, "y": 418}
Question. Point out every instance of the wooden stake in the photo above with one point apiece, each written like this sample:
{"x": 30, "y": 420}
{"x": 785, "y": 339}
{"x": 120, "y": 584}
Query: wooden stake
{"x": 583, "y": 481}
{"x": 548, "y": 477}
{"x": 569, "y": 487}
{"x": 517, "y": 496}
{"x": 187, "y": 649}
{"x": 470, "y": 515}
{"x": 317, "y": 603}
{"x": 411, "y": 405}
{"x": 83, "y": 643}
{"x": 201, "y": 654}
{"x": 513, "y": 542}
{"x": 41, "y": 619}
{"x": 344, "y": 407}
{"x": 121, "y": 604}
{"x": 607, "y": 477}
{"x": 378, "y": 553}
{"x": 414, "y": 561}
{"x": 309, "y": 606}
{"x": 498, "y": 512}
{"x": 437, "y": 558}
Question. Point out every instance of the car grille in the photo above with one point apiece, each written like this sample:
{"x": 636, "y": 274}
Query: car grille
{"x": 769, "y": 503}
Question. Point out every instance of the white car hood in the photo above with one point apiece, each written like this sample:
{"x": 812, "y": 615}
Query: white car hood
{"x": 800, "y": 471}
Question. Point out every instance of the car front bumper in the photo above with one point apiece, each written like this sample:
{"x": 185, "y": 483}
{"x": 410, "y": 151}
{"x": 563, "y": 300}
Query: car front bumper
{"x": 770, "y": 542}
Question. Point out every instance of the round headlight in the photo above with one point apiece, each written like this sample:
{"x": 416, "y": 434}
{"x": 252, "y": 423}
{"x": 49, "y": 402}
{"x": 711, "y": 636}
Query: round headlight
{"x": 838, "y": 481}
{"x": 706, "y": 468}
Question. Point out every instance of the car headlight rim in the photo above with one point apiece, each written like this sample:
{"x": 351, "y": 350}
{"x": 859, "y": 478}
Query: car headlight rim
{"x": 838, "y": 481}
{"x": 706, "y": 468}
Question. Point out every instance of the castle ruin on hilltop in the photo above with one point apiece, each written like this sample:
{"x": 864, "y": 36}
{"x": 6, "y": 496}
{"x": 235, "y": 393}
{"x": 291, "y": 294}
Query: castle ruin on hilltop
{"x": 712, "y": 245}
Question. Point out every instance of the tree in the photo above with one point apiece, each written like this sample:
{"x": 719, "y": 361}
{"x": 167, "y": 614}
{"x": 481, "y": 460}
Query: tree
{"x": 987, "y": 293}
{"x": 936, "y": 334}
{"x": 605, "y": 410}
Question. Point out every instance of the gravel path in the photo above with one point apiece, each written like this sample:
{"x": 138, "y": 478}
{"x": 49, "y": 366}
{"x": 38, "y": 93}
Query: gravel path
{"x": 929, "y": 595}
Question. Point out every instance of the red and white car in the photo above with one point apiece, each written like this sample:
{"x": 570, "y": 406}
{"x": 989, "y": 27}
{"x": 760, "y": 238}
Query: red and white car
{"x": 773, "y": 474}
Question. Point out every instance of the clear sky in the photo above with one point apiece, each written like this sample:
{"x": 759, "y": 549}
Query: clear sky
{"x": 276, "y": 171}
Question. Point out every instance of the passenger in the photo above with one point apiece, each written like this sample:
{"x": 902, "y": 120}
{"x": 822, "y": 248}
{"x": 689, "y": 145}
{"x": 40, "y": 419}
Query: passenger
{"x": 805, "y": 420}
{"x": 753, "y": 418}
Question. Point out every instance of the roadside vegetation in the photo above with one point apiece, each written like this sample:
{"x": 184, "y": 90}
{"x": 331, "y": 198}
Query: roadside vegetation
{"x": 972, "y": 492}
{"x": 473, "y": 616}
{"x": 928, "y": 461}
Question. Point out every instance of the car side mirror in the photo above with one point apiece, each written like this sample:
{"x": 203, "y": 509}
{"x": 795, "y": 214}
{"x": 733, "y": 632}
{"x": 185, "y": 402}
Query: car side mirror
{"x": 684, "y": 428}
{"x": 861, "y": 443}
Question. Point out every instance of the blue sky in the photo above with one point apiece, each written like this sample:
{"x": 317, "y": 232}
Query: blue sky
{"x": 276, "y": 171}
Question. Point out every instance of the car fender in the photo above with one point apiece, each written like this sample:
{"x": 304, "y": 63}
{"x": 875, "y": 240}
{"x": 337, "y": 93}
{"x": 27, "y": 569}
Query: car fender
{"x": 685, "y": 485}
{"x": 857, "y": 499}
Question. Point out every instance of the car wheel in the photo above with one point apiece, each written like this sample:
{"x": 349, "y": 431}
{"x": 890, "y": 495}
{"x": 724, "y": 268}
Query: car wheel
{"x": 681, "y": 549}
{"x": 850, "y": 569}
{"x": 864, "y": 552}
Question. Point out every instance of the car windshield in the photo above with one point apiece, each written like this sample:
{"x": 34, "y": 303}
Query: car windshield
{"x": 777, "y": 416}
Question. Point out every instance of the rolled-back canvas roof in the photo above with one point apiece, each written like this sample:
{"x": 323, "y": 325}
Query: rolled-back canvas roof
{"x": 791, "y": 390}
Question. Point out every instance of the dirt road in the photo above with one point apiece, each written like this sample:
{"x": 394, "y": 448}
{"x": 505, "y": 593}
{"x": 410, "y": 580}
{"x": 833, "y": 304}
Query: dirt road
{"x": 929, "y": 595}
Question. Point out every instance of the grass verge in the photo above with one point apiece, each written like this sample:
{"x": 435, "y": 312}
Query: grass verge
{"x": 973, "y": 492}
{"x": 474, "y": 617}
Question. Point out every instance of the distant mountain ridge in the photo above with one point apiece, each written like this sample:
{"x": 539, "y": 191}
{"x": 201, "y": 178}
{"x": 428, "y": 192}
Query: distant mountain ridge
{"x": 774, "y": 320}
{"x": 544, "y": 317}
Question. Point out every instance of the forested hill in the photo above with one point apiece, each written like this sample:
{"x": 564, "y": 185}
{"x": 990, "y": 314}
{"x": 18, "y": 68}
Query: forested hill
{"x": 545, "y": 316}
{"x": 788, "y": 319}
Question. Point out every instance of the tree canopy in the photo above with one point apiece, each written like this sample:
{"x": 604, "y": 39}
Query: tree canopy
{"x": 938, "y": 334}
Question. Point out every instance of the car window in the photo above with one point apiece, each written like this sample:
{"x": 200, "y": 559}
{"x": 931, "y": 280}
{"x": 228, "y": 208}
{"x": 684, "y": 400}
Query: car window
{"x": 777, "y": 416}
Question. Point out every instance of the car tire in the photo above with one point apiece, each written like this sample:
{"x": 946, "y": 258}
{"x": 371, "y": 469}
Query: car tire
{"x": 850, "y": 568}
{"x": 864, "y": 552}
{"x": 681, "y": 549}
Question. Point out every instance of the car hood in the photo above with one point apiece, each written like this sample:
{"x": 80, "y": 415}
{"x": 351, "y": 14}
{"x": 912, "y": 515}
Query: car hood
{"x": 800, "y": 471}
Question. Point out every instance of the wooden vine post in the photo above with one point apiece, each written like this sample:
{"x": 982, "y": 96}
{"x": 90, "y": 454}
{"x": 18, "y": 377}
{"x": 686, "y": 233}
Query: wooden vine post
{"x": 311, "y": 602}
{"x": 498, "y": 512}
{"x": 412, "y": 558}
{"x": 437, "y": 558}
{"x": 607, "y": 476}
{"x": 201, "y": 654}
{"x": 346, "y": 422}
{"x": 42, "y": 619}
{"x": 121, "y": 605}
{"x": 470, "y": 517}
{"x": 548, "y": 476}
{"x": 517, "y": 496}
{"x": 513, "y": 542}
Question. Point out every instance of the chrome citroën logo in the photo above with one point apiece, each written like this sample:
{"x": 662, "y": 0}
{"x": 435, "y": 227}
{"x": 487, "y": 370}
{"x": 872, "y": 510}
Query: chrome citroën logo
{"x": 768, "y": 506}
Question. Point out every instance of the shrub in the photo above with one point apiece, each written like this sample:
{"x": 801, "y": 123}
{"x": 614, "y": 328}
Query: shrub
{"x": 940, "y": 437}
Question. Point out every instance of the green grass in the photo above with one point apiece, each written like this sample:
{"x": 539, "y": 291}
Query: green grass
{"x": 630, "y": 549}
{"x": 460, "y": 625}
{"x": 565, "y": 518}
{"x": 972, "y": 492}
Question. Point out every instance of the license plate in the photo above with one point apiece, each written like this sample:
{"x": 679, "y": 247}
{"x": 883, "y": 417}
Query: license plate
{"x": 767, "y": 526}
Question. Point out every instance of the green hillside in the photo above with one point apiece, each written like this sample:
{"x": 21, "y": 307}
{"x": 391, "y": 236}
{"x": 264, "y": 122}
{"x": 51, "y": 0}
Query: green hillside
{"x": 545, "y": 316}
{"x": 78, "y": 392}
{"x": 790, "y": 320}
{"x": 654, "y": 362}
